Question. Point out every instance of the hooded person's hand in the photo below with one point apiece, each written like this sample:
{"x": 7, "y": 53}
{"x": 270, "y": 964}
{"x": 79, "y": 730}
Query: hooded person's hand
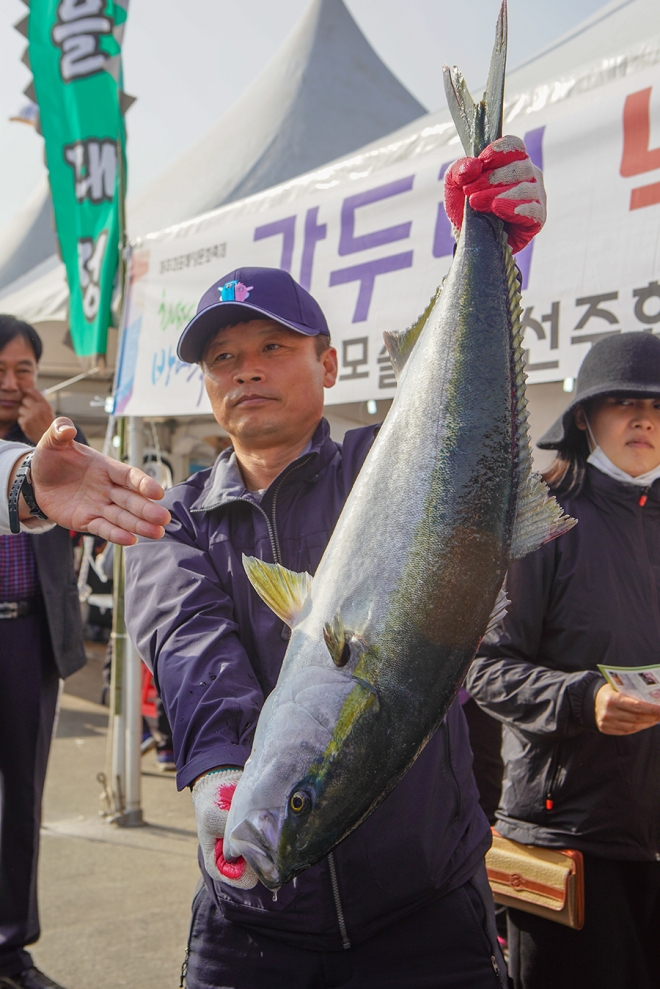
{"x": 617, "y": 714}
{"x": 79, "y": 488}
{"x": 502, "y": 181}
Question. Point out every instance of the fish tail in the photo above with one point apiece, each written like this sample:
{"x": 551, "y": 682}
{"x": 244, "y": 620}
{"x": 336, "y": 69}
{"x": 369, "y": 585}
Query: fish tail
{"x": 480, "y": 124}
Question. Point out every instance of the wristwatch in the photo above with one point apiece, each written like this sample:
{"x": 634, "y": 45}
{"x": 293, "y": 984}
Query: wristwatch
{"x": 23, "y": 486}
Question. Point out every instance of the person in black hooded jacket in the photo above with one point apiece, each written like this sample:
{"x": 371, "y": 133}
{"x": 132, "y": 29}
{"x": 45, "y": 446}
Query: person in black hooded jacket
{"x": 581, "y": 761}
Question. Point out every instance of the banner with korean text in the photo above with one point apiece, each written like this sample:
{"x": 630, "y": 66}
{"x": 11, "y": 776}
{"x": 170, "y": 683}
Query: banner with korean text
{"x": 368, "y": 236}
{"x": 74, "y": 51}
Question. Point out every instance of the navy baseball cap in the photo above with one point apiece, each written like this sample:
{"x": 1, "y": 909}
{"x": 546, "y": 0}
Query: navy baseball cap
{"x": 251, "y": 293}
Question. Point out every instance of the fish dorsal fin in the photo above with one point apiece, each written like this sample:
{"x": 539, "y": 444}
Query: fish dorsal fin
{"x": 284, "y": 591}
{"x": 400, "y": 343}
{"x": 502, "y": 602}
{"x": 539, "y": 518}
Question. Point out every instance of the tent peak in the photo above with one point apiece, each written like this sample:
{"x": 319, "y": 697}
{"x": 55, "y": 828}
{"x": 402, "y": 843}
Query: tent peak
{"x": 324, "y": 94}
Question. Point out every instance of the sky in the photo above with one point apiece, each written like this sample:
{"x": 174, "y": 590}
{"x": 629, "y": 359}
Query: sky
{"x": 187, "y": 61}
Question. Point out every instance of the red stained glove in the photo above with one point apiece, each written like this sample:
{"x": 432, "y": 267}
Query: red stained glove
{"x": 502, "y": 181}
{"x": 212, "y": 796}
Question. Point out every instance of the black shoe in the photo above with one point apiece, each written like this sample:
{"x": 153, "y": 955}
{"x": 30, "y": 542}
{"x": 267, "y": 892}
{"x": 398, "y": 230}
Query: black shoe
{"x": 30, "y": 978}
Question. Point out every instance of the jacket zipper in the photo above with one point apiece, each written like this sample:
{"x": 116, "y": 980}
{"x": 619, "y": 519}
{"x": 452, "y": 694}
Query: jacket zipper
{"x": 554, "y": 777}
{"x": 272, "y": 529}
{"x": 643, "y": 498}
{"x": 338, "y": 907}
{"x": 271, "y": 525}
{"x": 496, "y": 969}
{"x": 275, "y": 542}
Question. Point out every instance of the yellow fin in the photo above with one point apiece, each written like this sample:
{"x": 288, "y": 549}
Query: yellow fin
{"x": 283, "y": 590}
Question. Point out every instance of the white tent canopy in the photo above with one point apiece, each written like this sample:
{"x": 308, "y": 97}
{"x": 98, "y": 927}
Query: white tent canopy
{"x": 324, "y": 94}
{"x": 369, "y": 235}
{"x": 619, "y": 42}
{"x": 28, "y": 238}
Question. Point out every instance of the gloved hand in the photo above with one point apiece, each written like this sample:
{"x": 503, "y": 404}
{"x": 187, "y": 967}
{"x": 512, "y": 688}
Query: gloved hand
{"x": 502, "y": 181}
{"x": 212, "y": 796}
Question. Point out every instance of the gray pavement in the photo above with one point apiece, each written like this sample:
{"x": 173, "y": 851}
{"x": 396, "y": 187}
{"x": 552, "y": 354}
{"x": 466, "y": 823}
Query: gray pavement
{"x": 114, "y": 902}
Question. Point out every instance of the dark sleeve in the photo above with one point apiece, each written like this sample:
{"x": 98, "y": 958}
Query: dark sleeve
{"x": 508, "y": 678}
{"x": 80, "y": 436}
{"x": 182, "y": 623}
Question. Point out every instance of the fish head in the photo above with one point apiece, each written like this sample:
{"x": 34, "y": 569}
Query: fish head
{"x": 283, "y": 818}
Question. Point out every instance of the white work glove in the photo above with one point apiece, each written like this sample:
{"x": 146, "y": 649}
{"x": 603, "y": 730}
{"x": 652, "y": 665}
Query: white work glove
{"x": 212, "y": 796}
{"x": 502, "y": 181}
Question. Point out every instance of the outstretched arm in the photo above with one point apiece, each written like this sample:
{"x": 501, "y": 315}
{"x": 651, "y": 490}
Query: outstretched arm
{"x": 81, "y": 489}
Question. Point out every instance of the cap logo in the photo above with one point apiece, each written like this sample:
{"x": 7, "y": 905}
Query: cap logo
{"x": 234, "y": 291}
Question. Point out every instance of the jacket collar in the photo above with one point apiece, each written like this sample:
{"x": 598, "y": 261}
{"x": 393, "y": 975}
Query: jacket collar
{"x": 224, "y": 484}
{"x": 609, "y": 494}
{"x": 16, "y": 435}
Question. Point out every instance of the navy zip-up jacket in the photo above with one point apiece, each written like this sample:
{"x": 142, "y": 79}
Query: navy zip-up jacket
{"x": 216, "y": 651}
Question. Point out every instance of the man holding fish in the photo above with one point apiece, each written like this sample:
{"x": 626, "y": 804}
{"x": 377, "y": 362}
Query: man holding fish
{"x": 342, "y": 844}
{"x": 403, "y": 901}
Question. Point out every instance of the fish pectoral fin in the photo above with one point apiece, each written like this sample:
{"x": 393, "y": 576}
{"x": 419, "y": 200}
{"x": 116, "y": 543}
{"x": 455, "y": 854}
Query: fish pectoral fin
{"x": 539, "y": 518}
{"x": 400, "y": 343}
{"x": 284, "y": 591}
{"x": 336, "y": 640}
{"x": 502, "y": 602}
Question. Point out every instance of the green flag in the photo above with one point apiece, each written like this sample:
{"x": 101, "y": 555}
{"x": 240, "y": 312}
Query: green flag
{"x": 74, "y": 51}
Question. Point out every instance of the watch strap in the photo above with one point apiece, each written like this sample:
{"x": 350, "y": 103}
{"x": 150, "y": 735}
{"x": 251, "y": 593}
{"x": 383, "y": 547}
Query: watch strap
{"x": 22, "y": 485}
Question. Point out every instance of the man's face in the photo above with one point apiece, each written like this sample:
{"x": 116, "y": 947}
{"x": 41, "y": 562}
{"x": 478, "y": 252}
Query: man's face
{"x": 18, "y": 374}
{"x": 265, "y": 382}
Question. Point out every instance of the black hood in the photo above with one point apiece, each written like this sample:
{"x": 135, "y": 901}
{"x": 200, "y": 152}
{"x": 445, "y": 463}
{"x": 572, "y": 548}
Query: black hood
{"x": 621, "y": 364}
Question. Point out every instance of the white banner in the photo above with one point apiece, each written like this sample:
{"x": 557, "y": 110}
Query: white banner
{"x": 370, "y": 239}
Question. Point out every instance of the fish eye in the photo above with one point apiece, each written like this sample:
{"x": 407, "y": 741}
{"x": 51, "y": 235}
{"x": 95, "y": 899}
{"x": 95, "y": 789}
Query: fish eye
{"x": 300, "y": 802}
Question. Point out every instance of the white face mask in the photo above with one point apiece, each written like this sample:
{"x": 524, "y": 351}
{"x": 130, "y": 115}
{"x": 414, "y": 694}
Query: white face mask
{"x": 600, "y": 460}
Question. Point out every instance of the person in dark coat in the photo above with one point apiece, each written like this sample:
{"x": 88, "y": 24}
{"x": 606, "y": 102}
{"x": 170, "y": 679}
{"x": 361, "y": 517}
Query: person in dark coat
{"x": 40, "y": 642}
{"x": 402, "y": 902}
{"x": 581, "y": 760}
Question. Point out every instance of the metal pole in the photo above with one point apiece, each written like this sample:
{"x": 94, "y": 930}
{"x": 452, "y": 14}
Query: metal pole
{"x": 118, "y": 781}
{"x": 133, "y": 681}
{"x": 117, "y": 784}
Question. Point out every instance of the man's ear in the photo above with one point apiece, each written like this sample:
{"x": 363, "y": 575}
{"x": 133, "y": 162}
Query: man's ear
{"x": 580, "y": 417}
{"x": 330, "y": 367}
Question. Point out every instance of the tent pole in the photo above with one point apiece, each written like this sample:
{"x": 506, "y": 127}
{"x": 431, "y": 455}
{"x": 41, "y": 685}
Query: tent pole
{"x": 133, "y": 680}
{"x": 117, "y": 703}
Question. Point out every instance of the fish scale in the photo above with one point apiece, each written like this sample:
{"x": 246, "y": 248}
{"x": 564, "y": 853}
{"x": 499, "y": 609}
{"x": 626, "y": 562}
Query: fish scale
{"x": 382, "y": 636}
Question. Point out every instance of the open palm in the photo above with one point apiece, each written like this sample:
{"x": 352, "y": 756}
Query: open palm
{"x": 81, "y": 489}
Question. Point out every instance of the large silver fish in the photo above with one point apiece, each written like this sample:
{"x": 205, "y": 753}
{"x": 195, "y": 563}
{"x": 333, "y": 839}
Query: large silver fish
{"x": 384, "y": 633}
